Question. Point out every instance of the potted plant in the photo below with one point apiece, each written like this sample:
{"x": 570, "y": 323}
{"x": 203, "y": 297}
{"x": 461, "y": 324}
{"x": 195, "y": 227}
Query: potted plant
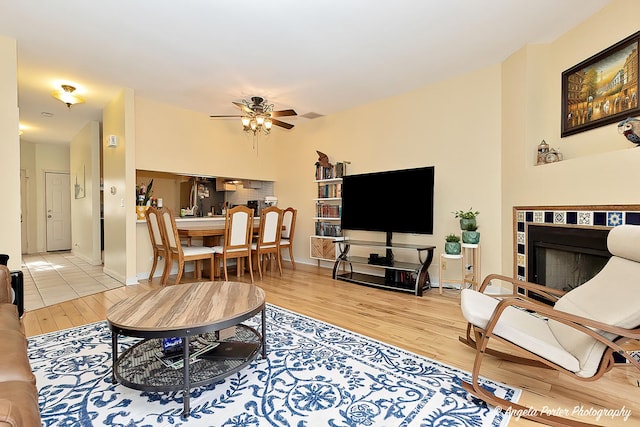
{"x": 467, "y": 219}
{"x": 452, "y": 244}
{"x": 470, "y": 235}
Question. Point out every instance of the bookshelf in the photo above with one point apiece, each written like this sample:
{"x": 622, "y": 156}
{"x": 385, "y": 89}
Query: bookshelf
{"x": 328, "y": 211}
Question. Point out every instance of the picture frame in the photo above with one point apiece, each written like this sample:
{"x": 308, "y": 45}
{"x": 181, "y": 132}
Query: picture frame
{"x": 602, "y": 89}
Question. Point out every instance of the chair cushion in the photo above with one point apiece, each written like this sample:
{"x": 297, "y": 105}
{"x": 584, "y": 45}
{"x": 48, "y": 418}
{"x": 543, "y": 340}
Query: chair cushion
{"x": 254, "y": 246}
{"x": 9, "y": 319}
{"x": 14, "y": 363}
{"x": 285, "y": 242}
{"x": 622, "y": 241}
{"x": 610, "y": 297}
{"x": 19, "y": 404}
{"x": 220, "y": 249}
{"x": 196, "y": 250}
{"x": 517, "y": 326}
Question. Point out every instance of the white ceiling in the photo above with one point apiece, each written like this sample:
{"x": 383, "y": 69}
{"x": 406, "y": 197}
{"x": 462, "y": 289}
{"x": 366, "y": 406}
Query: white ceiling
{"x": 320, "y": 56}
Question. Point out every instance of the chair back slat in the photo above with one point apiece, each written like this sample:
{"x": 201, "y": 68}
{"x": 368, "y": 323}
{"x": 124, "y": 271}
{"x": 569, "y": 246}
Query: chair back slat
{"x": 238, "y": 228}
{"x": 154, "y": 227}
{"x": 270, "y": 230}
{"x": 170, "y": 230}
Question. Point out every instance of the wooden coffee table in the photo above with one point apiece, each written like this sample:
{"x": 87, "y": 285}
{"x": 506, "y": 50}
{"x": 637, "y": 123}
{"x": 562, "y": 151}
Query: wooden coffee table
{"x": 196, "y": 312}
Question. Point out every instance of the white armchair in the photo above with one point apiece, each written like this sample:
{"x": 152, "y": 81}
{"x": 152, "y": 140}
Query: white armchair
{"x": 577, "y": 336}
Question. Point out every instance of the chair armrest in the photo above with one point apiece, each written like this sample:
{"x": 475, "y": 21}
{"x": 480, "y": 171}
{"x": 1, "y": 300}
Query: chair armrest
{"x": 5, "y": 284}
{"x": 546, "y": 291}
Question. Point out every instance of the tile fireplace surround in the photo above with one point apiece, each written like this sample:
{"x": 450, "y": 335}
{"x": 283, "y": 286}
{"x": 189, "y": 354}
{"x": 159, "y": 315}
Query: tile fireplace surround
{"x": 595, "y": 217}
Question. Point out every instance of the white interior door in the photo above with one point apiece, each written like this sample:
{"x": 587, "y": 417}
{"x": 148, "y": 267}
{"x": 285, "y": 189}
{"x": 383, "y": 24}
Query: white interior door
{"x": 58, "y": 206}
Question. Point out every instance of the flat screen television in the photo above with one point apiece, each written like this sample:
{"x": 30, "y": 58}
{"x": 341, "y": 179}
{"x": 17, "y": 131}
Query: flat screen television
{"x": 391, "y": 201}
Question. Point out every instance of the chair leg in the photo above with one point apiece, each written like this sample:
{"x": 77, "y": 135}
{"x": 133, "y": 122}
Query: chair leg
{"x": 198, "y": 271}
{"x": 480, "y": 392}
{"x": 279, "y": 263}
{"x": 168, "y": 261}
{"x": 259, "y": 262}
{"x": 250, "y": 266}
{"x": 293, "y": 262}
{"x": 224, "y": 262}
{"x": 180, "y": 270}
{"x": 155, "y": 264}
{"x": 211, "y": 268}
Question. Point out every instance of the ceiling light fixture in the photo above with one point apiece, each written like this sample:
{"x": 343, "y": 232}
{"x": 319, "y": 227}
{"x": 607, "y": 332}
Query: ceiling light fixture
{"x": 67, "y": 96}
{"x": 257, "y": 116}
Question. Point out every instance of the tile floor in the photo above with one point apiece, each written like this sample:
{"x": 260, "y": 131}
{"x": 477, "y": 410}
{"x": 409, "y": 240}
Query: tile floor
{"x": 54, "y": 277}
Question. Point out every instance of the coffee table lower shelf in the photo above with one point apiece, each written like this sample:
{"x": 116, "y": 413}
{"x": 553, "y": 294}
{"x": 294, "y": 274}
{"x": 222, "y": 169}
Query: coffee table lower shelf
{"x": 139, "y": 367}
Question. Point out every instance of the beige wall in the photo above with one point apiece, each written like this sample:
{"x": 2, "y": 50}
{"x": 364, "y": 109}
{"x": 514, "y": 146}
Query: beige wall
{"x": 84, "y": 153}
{"x": 453, "y": 125}
{"x": 119, "y": 119}
{"x": 10, "y": 242}
{"x": 170, "y": 139}
{"x": 600, "y": 166}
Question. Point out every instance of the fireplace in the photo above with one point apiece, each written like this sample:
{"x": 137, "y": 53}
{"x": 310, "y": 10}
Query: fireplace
{"x": 564, "y": 258}
{"x": 564, "y": 246}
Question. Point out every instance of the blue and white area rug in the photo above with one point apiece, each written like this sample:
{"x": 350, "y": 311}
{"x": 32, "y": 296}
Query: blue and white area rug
{"x": 315, "y": 374}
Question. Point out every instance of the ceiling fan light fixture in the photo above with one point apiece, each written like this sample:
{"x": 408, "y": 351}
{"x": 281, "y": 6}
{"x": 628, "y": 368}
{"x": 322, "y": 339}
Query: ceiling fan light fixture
{"x": 66, "y": 96}
{"x": 267, "y": 124}
{"x": 245, "y": 121}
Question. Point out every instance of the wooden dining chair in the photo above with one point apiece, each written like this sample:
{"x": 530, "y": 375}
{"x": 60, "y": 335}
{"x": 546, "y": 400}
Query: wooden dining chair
{"x": 288, "y": 228}
{"x": 238, "y": 231}
{"x": 175, "y": 250}
{"x": 157, "y": 241}
{"x": 268, "y": 242}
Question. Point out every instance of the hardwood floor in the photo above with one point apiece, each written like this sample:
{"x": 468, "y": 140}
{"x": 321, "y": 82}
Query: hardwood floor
{"x": 429, "y": 326}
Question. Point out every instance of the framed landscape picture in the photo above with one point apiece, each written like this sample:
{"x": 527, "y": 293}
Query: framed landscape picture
{"x": 602, "y": 89}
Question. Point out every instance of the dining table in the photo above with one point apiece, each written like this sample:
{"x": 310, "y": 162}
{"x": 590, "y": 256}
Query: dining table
{"x": 210, "y": 233}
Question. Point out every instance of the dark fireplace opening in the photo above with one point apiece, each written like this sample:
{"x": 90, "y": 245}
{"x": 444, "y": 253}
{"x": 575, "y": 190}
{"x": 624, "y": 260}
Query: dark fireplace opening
{"x": 563, "y": 257}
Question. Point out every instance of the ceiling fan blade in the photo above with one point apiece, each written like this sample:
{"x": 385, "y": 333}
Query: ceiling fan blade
{"x": 283, "y": 113}
{"x": 281, "y": 124}
{"x": 243, "y": 107}
{"x": 224, "y": 117}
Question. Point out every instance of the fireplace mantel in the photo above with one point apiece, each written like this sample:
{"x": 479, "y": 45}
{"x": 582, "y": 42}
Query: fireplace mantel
{"x": 588, "y": 216}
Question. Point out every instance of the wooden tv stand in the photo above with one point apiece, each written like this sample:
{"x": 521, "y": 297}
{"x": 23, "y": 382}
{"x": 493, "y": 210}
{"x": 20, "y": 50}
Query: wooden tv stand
{"x": 398, "y": 275}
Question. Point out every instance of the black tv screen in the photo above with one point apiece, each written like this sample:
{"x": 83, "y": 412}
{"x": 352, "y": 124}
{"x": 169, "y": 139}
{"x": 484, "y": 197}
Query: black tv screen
{"x": 399, "y": 200}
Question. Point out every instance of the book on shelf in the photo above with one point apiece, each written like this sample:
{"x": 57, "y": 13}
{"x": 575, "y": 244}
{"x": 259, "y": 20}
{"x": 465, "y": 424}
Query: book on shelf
{"x": 335, "y": 171}
{"x": 328, "y": 229}
{"x": 324, "y": 210}
{"x": 333, "y": 190}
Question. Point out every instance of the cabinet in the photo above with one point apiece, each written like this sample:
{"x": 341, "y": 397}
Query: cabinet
{"x": 397, "y": 275}
{"x": 328, "y": 210}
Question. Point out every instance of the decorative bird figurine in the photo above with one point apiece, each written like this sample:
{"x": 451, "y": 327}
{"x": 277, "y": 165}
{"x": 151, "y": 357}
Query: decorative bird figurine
{"x": 630, "y": 128}
{"x": 323, "y": 160}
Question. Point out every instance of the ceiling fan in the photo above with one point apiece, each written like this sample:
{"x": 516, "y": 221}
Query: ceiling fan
{"x": 258, "y": 115}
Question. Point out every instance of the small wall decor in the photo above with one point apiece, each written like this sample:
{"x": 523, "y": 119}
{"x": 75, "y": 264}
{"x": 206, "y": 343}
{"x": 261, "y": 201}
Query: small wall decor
{"x": 602, "y": 89}
{"x": 630, "y": 128}
{"x": 79, "y": 186}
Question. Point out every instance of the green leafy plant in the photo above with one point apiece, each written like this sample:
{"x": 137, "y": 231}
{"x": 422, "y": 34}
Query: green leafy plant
{"x": 143, "y": 193}
{"x": 466, "y": 214}
{"x": 452, "y": 238}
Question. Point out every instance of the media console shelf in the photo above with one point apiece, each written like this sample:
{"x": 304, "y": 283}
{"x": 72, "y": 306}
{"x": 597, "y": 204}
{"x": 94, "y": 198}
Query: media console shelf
{"x": 398, "y": 275}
